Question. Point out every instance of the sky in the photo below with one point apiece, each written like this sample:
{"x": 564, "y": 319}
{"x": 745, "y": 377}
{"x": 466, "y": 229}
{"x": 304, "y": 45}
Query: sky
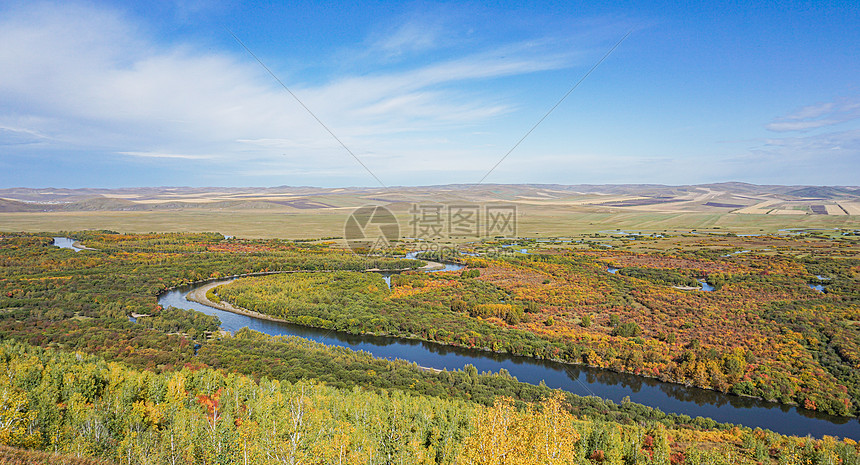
{"x": 164, "y": 93}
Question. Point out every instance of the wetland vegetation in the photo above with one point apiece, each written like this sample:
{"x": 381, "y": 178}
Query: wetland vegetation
{"x": 794, "y": 345}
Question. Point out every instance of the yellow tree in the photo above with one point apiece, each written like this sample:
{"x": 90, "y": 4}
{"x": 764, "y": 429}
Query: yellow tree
{"x": 553, "y": 436}
{"x": 543, "y": 434}
{"x": 16, "y": 420}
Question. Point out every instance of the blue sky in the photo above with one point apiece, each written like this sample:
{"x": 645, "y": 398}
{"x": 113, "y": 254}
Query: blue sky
{"x": 114, "y": 94}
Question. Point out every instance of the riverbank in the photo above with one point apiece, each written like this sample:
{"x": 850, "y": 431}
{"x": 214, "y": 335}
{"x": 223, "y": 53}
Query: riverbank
{"x": 199, "y": 295}
{"x": 80, "y": 246}
{"x": 431, "y": 266}
{"x": 266, "y": 273}
{"x": 579, "y": 379}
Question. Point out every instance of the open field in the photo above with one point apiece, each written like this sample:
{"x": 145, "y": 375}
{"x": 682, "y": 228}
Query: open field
{"x": 852, "y": 208}
{"x": 559, "y": 223}
{"x": 533, "y": 221}
{"x": 261, "y": 224}
{"x": 542, "y": 211}
{"x": 788, "y": 212}
{"x": 834, "y": 210}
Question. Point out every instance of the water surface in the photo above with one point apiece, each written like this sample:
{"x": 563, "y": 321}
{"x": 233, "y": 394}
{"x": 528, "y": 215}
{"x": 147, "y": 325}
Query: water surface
{"x": 669, "y": 397}
{"x": 66, "y": 243}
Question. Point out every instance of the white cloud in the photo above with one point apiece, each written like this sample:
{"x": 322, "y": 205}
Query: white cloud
{"x": 817, "y": 116}
{"x": 19, "y": 136}
{"x": 828, "y": 158}
{"x": 812, "y": 111}
{"x": 825, "y": 156}
{"x": 788, "y": 126}
{"x": 86, "y": 78}
{"x": 183, "y": 156}
{"x": 409, "y": 37}
{"x": 815, "y": 146}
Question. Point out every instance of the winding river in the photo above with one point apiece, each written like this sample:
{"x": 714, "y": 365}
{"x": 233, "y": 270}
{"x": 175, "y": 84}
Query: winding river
{"x": 580, "y": 380}
{"x": 668, "y": 397}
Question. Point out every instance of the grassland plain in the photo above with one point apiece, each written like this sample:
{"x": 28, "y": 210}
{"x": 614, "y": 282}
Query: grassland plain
{"x": 543, "y": 210}
{"x": 533, "y": 221}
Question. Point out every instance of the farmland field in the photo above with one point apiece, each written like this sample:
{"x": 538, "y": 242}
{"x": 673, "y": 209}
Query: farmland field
{"x": 315, "y": 213}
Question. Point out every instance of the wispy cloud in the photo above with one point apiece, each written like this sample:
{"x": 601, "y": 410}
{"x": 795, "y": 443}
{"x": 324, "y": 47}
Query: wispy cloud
{"x": 93, "y": 80}
{"x": 183, "y": 156}
{"x": 410, "y": 37}
{"x": 812, "y": 150}
{"x": 828, "y": 144}
{"x": 19, "y": 136}
{"x": 817, "y": 116}
{"x": 826, "y": 158}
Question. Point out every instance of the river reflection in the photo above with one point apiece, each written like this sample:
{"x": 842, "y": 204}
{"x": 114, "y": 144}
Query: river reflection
{"x": 668, "y": 397}
{"x": 66, "y": 243}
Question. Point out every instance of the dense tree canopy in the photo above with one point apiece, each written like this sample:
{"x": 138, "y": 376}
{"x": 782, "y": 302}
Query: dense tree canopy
{"x": 175, "y": 390}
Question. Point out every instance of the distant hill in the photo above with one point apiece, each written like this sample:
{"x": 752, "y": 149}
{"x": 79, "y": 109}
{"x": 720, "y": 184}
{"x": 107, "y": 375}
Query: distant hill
{"x": 825, "y": 192}
{"x": 7, "y": 205}
{"x": 727, "y": 197}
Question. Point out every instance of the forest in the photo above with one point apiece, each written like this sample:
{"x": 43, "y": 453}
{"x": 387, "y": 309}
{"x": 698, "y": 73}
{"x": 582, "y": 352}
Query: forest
{"x": 762, "y": 332}
{"x": 84, "y": 381}
{"x": 83, "y": 406}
